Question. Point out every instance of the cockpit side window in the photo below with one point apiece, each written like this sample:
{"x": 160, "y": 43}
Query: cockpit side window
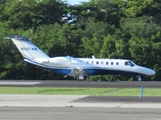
{"x": 131, "y": 64}
{"x": 127, "y": 63}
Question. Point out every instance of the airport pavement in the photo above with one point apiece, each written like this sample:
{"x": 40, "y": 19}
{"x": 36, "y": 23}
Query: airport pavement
{"x": 69, "y": 107}
{"x": 74, "y": 101}
{"x": 78, "y": 113}
{"x": 88, "y": 84}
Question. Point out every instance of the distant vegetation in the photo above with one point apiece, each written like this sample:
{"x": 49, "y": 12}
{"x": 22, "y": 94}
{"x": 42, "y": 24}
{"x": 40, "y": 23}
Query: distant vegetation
{"x": 129, "y": 29}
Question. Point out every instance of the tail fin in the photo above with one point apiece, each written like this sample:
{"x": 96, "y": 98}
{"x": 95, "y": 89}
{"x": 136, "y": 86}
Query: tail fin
{"x": 27, "y": 48}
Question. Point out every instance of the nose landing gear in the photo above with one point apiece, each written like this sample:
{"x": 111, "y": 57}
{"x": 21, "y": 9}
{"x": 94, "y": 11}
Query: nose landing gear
{"x": 139, "y": 78}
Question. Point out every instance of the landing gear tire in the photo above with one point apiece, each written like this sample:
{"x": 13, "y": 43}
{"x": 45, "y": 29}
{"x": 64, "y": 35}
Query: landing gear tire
{"x": 80, "y": 79}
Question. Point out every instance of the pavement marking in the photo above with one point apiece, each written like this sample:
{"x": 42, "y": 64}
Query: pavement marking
{"x": 19, "y": 83}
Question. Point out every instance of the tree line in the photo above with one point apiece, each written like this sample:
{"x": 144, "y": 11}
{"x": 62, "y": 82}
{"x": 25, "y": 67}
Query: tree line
{"x": 126, "y": 29}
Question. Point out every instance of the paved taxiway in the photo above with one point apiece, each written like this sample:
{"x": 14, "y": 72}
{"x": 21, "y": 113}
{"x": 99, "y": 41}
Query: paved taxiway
{"x": 69, "y": 83}
{"x": 74, "y": 107}
{"x": 75, "y": 113}
{"x": 69, "y": 107}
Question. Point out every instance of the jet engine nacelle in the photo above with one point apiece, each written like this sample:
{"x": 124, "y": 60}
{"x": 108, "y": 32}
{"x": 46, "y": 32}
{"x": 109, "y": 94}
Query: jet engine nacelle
{"x": 60, "y": 60}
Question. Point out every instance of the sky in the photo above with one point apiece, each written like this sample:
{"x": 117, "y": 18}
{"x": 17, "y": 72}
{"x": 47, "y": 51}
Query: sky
{"x": 73, "y": 2}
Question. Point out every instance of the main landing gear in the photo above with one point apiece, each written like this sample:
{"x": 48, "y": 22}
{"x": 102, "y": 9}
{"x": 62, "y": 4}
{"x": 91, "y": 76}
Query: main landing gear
{"x": 81, "y": 78}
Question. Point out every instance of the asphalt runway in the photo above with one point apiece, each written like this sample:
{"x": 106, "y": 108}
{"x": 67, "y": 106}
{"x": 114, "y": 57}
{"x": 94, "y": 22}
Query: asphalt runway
{"x": 84, "y": 84}
{"x": 73, "y": 113}
{"x": 66, "y": 107}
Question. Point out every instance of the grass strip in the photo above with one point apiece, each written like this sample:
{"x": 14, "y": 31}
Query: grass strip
{"x": 81, "y": 91}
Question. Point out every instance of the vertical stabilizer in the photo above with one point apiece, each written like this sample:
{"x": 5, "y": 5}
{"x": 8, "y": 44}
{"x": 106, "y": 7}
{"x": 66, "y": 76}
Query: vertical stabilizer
{"x": 27, "y": 48}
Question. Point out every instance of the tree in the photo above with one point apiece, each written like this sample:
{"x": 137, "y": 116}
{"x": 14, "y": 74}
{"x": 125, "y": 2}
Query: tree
{"x": 133, "y": 8}
{"x": 93, "y": 39}
{"x": 98, "y": 10}
{"x": 27, "y": 14}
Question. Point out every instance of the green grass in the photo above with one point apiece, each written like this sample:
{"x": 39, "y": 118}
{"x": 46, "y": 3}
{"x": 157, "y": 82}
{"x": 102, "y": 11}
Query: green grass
{"x": 81, "y": 91}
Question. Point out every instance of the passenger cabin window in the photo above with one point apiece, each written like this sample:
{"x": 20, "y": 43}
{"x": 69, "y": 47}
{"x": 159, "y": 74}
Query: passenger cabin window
{"x": 106, "y": 63}
{"x": 102, "y": 63}
{"x": 92, "y": 62}
{"x": 111, "y": 63}
{"x": 97, "y": 62}
{"x": 117, "y": 63}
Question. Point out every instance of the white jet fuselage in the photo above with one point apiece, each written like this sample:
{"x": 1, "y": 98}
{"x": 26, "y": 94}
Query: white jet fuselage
{"x": 77, "y": 67}
{"x": 80, "y": 67}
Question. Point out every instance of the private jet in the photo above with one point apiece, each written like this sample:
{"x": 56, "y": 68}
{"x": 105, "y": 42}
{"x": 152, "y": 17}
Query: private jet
{"x": 78, "y": 68}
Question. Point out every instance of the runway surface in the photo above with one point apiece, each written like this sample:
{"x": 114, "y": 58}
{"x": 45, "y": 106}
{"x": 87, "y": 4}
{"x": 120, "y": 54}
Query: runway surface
{"x": 76, "y": 107}
{"x": 88, "y": 84}
{"x": 74, "y": 113}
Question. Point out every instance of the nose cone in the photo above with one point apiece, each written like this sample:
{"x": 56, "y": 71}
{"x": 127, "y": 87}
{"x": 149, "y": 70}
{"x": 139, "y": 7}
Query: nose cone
{"x": 149, "y": 71}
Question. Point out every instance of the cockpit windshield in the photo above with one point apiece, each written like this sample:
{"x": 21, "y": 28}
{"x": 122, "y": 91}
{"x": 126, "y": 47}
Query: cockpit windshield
{"x": 129, "y": 63}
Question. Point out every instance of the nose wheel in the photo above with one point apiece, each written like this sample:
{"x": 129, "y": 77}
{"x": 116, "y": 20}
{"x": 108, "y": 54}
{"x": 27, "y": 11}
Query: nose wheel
{"x": 139, "y": 78}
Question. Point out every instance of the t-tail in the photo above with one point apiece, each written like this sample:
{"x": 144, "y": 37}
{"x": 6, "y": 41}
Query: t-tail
{"x": 27, "y": 48}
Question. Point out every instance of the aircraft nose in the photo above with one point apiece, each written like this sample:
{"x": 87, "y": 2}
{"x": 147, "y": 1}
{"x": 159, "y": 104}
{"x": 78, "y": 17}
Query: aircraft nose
{"x": 152, "y": 72}
{"x": 149, "y": 71}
